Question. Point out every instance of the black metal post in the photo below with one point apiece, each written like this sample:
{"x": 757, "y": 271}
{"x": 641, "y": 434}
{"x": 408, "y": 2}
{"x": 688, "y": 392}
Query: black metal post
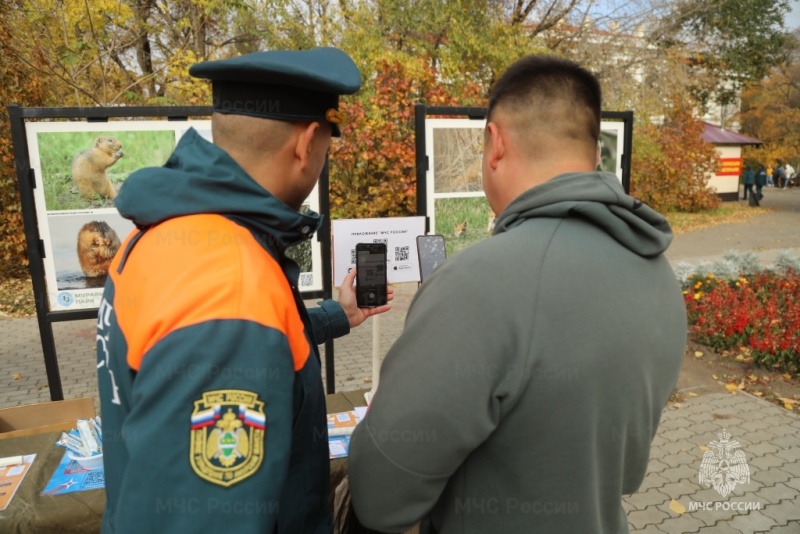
{"x": 324, "y": 235}
{"x": 26, "y": 182}
{"x": 421, "y": 159}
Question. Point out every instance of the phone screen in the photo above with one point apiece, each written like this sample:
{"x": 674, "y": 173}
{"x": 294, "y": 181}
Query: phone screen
{"x": 371, "y": 276}
{"x": 431, "y": 252}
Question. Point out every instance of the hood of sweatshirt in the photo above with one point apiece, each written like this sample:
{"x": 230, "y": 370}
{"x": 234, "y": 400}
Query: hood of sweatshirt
{"x": 598, "y": 198}
{"x": 200, "y": 177}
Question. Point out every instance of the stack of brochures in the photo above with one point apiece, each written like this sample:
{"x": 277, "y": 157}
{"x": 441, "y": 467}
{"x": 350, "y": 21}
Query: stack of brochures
{"x": 81, "y": 467}
{"x": 340, "y": 427}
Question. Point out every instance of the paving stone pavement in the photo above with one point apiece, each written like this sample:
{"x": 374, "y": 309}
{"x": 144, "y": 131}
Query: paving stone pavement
{"x": 671, "y": 498}
{"x": 23, "y": 379}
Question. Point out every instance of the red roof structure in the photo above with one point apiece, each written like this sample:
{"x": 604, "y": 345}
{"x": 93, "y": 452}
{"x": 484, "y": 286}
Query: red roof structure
{"x": 718, "y": 136}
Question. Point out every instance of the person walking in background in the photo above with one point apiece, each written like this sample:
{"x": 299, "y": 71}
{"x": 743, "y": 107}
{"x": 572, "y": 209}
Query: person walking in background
{"x": 537, "y": 362}
{"x": 769, "y": 175}
{"x": 788, "y": 174}
{"x": 749, "y": 182}
{"x": 777, "y": 177}
{"x": 761, "y": 181}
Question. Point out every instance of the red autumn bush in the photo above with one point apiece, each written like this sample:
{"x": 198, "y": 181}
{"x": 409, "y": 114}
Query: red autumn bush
{"x": 760, "y": 312}
{"x": 672, "y": 164}
{"x": 373, "y": 165}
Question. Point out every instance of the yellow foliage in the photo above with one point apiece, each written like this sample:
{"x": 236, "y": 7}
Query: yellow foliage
{"x": 183, "y": 88}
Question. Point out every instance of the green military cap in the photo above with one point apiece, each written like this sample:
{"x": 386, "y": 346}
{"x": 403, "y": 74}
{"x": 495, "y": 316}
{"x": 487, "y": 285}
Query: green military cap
{"x": 288, "y": 85}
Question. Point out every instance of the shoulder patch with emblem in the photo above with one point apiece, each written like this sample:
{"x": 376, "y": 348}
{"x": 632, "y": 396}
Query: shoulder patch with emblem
{"x": 227, "y": 436}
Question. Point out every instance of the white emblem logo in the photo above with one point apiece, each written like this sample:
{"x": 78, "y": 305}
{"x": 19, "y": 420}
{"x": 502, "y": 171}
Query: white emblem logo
{"x": 726, "y": 468}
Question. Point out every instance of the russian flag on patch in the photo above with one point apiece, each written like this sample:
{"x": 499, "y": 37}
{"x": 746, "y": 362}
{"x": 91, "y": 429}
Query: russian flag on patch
{"x": 252, "y": 417}
{"x": 206, "y": 417}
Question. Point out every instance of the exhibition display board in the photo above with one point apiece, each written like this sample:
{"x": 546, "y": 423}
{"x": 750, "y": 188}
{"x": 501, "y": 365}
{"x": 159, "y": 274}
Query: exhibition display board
{"x": 449, "y": 148}
{"x": 70, "y": 163}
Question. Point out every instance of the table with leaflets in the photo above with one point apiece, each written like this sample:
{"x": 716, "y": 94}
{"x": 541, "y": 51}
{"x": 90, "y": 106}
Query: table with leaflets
{"x": 31, "y": 512}
{"x": 80, "y": 512}
{"x": 338, "y": 403}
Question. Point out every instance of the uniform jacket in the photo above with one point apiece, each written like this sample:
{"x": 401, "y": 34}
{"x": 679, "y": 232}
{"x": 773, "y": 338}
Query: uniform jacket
{"x": 526, "y": 388}
{"x": 212, "y": 402}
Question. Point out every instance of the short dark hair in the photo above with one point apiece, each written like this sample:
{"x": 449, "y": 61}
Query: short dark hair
{"x": 539, "y": 82}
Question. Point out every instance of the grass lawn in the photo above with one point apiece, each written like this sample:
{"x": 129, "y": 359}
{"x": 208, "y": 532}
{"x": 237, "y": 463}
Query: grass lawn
{"x": 728, "y": 213}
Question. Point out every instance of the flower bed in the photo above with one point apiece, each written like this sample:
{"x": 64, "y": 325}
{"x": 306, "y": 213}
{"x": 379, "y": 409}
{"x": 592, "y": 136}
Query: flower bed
{"x": 757, "y": 309}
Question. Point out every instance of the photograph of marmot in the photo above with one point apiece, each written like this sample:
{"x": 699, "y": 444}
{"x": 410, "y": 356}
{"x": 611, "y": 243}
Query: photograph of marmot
{"x": 83, "y": 247}
{"x": 97, "y": 244}
{"x": 89, "y": 168}
{"x": 84, "y": 170}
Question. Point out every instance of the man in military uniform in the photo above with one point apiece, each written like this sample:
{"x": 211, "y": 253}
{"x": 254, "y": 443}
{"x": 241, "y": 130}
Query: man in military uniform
{"x": 209, "y": 373}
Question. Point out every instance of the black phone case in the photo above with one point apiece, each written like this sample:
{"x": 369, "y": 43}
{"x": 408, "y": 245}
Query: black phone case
{"x": 372, "y": 295}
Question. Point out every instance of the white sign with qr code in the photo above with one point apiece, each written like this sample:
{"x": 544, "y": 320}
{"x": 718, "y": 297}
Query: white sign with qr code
{"x": 399, "y": 234}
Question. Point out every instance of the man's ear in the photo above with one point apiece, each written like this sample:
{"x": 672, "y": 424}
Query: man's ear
{"x": 304, "y": 142}
{"x": 597, "y": 159}
{"x": 497, "y": 146}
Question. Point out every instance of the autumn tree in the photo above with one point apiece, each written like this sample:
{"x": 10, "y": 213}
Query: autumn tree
{"x": 445, "y": 52}
{"x": 111, "y": 52}
{"x": 771, "y": 113}
{"x": 671, "y": 163}
{"x": 733, "y": 41}
{"x": 26, "y": 88}
{"x": 373, "y": 171}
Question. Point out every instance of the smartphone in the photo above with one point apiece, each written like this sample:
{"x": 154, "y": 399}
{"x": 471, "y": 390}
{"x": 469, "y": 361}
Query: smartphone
{"x": 371, "y": 284}
{"x": 431, "y": 253}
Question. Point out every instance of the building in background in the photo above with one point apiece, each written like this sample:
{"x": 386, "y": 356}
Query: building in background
{"x": 729, "y": 147}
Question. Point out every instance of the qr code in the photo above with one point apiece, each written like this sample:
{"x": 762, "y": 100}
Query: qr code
{"x": 94, "y": 479}
{"x": 306, "y": 279}
{"x": 401, "y": 253}
{"x": 384, "y": 241}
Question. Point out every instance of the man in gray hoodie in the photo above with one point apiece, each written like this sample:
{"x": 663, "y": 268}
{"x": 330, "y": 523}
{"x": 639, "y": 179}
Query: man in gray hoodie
{"x": 526, "y": 388}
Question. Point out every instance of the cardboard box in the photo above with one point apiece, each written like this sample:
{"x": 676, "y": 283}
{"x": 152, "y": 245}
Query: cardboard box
{"x": 45, "y": 417}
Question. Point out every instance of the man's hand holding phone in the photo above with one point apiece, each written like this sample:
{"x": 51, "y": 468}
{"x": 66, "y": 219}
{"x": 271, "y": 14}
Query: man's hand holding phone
{"x": 371, "y": 282}
{"x": 347, "y": 299}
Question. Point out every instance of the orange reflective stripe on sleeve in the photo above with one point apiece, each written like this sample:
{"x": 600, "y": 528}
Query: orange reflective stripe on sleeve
{"x": 199, "y": 268}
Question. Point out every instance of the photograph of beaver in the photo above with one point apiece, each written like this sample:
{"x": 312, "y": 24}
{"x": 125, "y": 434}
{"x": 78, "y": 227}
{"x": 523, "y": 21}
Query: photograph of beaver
{"x": 83, "y": 246}
{"x": 89, "y": 168}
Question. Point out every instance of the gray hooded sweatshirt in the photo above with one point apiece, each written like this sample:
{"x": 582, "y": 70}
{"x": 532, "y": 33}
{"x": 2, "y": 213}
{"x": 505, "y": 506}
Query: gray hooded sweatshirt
{"x": 526, "y": 388}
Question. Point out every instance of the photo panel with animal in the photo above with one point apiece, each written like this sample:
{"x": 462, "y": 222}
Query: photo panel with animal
{"x": 82, "y": 247}
{"x": 78, "y": 169}
{"x": 85, "y": 169}
{"x": 455, "y": 202}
